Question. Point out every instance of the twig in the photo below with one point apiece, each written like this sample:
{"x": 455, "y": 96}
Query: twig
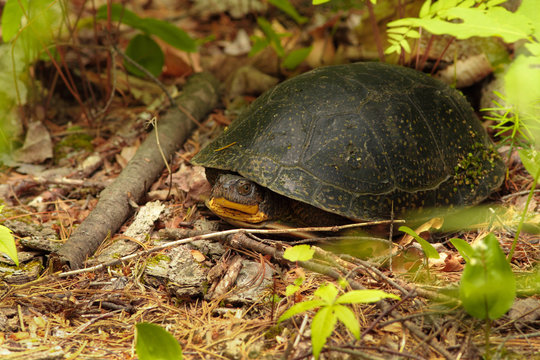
{"x": 301, "y": 331}
{"x": 519, "y": 193}
{"x": 201, "y": 237}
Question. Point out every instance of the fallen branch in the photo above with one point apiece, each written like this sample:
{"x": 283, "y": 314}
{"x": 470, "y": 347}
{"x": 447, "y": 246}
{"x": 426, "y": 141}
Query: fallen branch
{"x": 199, "y": 96}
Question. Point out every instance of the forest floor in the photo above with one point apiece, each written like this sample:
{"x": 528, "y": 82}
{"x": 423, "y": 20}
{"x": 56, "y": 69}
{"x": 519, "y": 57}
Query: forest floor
{"x": 220, "y": 294}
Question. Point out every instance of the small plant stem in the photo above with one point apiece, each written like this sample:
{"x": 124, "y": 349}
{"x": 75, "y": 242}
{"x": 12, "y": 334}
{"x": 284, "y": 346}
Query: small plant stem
{"x": 375, "y": 29}
{"x": 487, "y": 333}
{"x": 523, "y": 215}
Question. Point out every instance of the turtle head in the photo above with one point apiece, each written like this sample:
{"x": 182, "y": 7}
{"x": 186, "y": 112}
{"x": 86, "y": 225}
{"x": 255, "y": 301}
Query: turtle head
{"x": 240, "y": 201}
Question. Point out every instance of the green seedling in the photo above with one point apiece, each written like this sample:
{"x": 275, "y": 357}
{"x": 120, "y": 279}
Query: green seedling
{"x": 487, "y": 288}
{"x": 331, "y": 309}
{"x": 427, "y": 248}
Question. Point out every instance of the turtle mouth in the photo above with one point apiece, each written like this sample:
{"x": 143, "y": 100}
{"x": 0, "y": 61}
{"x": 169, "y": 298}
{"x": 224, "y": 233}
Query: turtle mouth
{"x": 251, "y": 214}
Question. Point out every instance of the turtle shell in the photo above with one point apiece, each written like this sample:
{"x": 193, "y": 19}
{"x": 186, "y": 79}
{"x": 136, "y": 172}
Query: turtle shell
{"x": 362, "y": 140}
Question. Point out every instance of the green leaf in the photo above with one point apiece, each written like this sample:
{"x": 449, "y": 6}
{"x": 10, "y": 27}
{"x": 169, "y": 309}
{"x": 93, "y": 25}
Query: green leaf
{"x": 291, "y": 289}
{"x": 488, "y": 286}
{"x": 428, "y": 249}
{"x": 395, "y": 48}
{"x": 529, "y": 9}
{"x": 531, "y": 160}
{"x": 11, "y": 18}
{"x": 401, "y": 30}
{"x": 496, "y": 21}
{"x": 343, "y": 283}
{"x": 7, "y": 244}
{"x": 413, "y": 34}
{"x": 121, "y": 14}
{"x": 37, "y": 30}
{"x": 396, "y": 38}
{"x": 464, "y": 248}
{"x": 319, "y": 2}
{"x": 327, "y": 293}
{"x": 300, "y": 308}
{"x": 522, "y": 86}
{"x": 170, "y": 34}
{"x": 299, "y": 253}
{"x": 405, "y": 45}
{"x": 425, "y": 9}
{"x": 347, "y": 317}
{"x": 287, "y": 8}
{"x": 295, "y": 57}
{"x": 322, "y": 326}
{"x": 147, "y": 53}
{"x": 484, "y": 23}
{"x": 271, "y": 35}
{"x": 258, "y": 44}
{"x": 165, "y": 31}
{"x": 364, "y": 296}
{"x": 155, "y": 343}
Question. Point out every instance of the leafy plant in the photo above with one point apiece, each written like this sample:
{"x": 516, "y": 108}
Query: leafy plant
{"x": 290, "y": 59}
{"x": 142, "y": 48}
{"x": 152, "y": 342}
{"x": 292, "y": 289}
{"x": 510, "y": 129}
{"x": 297, "y": 253}
{"x": 427, "y": 248}
{"x": 28, "y": 28}
{"x": 484, "y": 19}
{"x": 467, "y": 18}
{"x": 488, "y": 287}
{"x": 332, "y": 308}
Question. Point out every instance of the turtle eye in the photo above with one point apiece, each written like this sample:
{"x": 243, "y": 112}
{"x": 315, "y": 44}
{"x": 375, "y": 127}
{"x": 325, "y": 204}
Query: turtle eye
{"x": 245, "y": 188}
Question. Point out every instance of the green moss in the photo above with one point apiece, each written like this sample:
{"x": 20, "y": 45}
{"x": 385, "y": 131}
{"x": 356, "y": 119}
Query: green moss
{"x": 76, "y": 140}
{"x": 273, "y": 331}
{"x": 154, "y": 260}
{"x": 473, "y": 167}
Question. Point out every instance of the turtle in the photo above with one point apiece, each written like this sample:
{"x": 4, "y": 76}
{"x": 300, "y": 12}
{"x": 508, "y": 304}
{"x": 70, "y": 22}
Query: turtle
{"x": 363, "y": 141}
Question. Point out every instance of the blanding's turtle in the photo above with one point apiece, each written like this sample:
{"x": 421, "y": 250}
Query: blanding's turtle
{"x": 363, "y": 141}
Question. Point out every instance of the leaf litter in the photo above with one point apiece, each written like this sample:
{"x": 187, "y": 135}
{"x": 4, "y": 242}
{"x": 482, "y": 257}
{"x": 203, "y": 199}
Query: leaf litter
{"x": 92, "y": 314}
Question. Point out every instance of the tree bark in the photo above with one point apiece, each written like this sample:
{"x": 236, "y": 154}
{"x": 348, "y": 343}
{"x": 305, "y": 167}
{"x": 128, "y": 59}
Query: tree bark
{"x": 200, "y": 95}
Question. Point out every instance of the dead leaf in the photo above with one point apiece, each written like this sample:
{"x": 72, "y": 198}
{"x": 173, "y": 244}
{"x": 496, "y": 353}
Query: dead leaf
{"x": 125, "y": 155}
{"x": 192, "y": 180}
{"x": 247, "y": 80}
{"x": 452, "y": 263}
{"x": 466, "y": 72}
{"x": 37, "y": 146}
{"x": 239, "y": 46}
{"x": 393, "y": 328}
{"x": 176, "y": 65}
{"x": 198, "y": 256}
